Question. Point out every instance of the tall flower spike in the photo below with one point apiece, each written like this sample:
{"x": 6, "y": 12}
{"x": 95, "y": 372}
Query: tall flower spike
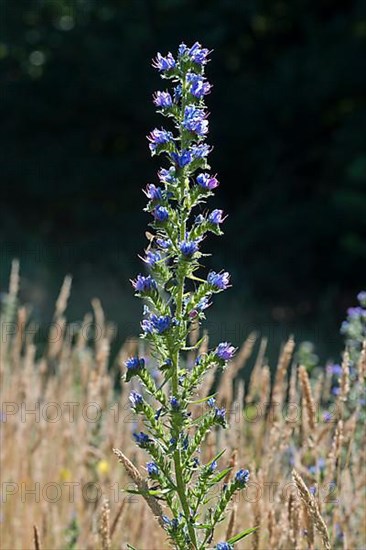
{"x": 171, "y": 437}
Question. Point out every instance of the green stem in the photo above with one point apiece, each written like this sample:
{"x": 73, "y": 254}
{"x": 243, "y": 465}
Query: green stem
{"x": 181, "y": 489}
{"x": 182, "y": 496}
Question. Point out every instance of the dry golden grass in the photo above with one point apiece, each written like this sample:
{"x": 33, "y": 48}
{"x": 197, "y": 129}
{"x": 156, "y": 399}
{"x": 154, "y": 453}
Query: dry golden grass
{"x": 54, "y": 461}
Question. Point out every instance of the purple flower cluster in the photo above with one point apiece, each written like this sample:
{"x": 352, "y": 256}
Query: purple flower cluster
{"x": 142, "y": 439}
{"x": 224, "y": 546}
{"x": 207, "y": 182}
{"x": 225, "y": 351}
{"x": 152, "y": 469}
{"x": 159, "y": 137}
{"x": 219, "y": 281}
{"x": 134, "y": 363}
{"x": 164, "y": 63}
{"x": 156, "y": 324}
{"x": 153, "y": 193}
{"x": 163, "y": 100}
{"x": 188, "y": 248}
{"x": 216, "y": 217}
{"x": 219, "y": 415}
{"x": 161, "y": 214}
{"x": 195, "y": 120}
{"x": 242, "y": 477}
{"x": 182, "y": 158}
{"x": 336, "y": 370}
{"x": 135, "y": 399}
{"x": 152, "y": 257}
{"x": 144, "y": 285}
{"x": 167, "y": 176}
{"x": 196, "y": 53}
{"x": 174, "y": 403}
{"x": 356, "y": 312}
{"x": 198, "y": 85}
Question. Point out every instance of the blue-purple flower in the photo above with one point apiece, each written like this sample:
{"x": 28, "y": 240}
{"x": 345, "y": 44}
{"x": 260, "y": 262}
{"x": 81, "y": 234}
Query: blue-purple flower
{"x": 159, "y": 137}
{"x": 160, "y": 213}
{"x": 152, "y": 469}
{"x": 198, "y": 85}
{"x": 164, "y": 63}
{"x": 174, "y": 403}
{"x": 242, "y": 477}
{"x": 200, "y": 151}
{"x": 198, "y": 54}
{"x": 156, "y": 324}
{"x": 219, "y": 281}
{"x": 206, "y": 181}
{"x": 164, "y": 243}
{"x": 134, "y": 363}
{"x": 163, "y": 100}
{"x": 153, "y": 193}
{"x": 334, "y": 369}
{"x": 144, "y": 284}
{"x": 224, "y": 546}
{"x": 318, "y": 466}
{"x": 219, "y": 415}
{"x": 142, "y": 439}
{"x": 152, "y": 257}
{"x": 225, "y": 351}
{"x": 167, "y": 176}
{"x": 356, "y": 312}
{"x": 195, "y": 120}
{"x": 135, "y": 399}
{"x": 203, "y": 304}
{"x": 188, "y": 248}
{"x": 182, "y": 158}
{"x": 216, "y": 217}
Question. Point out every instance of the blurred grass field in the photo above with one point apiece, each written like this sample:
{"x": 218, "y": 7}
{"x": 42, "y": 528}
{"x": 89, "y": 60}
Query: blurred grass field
{"x": 64, "y": 410}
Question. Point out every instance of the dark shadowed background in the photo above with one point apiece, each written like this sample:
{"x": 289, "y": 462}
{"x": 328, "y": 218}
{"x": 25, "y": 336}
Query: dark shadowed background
{"x": 288, "y": 117}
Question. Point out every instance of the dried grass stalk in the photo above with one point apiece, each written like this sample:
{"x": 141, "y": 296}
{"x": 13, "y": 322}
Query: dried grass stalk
{"x": 36, "y": 538}
{"x": 312, "y": 509}
{"x": 63, "y": 297}
{"x": 282, "y": 367}
{"x": 345, "y": 387}
{"x": 141, "y": 484}
{"x": 104, "y": 527}
{"x": 117, "y": 517}
{"x": 308, "y": 397}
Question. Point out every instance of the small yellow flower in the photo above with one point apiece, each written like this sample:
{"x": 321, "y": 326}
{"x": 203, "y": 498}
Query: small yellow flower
{"x": 65, "y": 474}
{"x": 102, "y": 467}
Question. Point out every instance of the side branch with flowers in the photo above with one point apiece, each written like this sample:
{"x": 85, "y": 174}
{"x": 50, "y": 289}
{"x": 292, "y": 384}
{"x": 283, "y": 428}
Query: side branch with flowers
{"x": 175, "y": 301}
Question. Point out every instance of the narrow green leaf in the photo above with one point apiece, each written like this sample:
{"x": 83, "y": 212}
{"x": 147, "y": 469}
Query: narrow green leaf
{"x": 194, "y": 278}
{"x": 220, "y": 476}
{"x": 202, "y": 400}
{"x": 217, "y": 457}
{"x": 133, "y": 492}
{"x": 155, "y": 492}
{"x": 241, "y": 535}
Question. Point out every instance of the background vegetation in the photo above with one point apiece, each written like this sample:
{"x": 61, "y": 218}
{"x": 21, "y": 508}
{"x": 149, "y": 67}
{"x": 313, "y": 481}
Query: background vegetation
{"x": 288, "y": 125}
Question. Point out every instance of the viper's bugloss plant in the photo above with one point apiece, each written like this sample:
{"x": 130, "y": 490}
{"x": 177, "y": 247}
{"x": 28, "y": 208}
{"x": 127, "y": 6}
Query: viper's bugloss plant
{"x": 175, "y": 301}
